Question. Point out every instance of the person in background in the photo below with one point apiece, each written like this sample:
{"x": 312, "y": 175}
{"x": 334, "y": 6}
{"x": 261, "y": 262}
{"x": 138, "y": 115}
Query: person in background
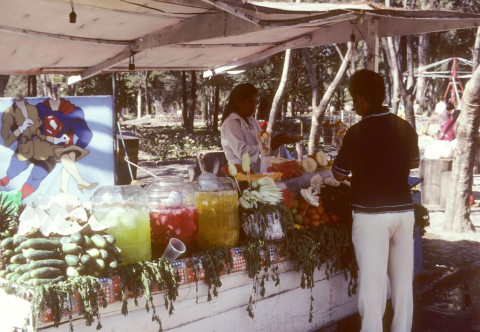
{"x": 239, "y": 129}
{"x": 447, "y": 133}
{"x": 440, "y": 107}
{"x": 379, "y": 151}
{"x": 447, "y": 114}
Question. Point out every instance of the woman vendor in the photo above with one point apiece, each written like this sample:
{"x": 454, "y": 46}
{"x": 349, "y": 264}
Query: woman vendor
{"x": 239, "y": 129}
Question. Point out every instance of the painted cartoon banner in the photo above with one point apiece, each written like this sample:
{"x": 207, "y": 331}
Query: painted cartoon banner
{"x": 52, "y": 146}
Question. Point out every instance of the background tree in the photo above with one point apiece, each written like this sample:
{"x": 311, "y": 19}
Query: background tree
{"x": 458, "y": 202}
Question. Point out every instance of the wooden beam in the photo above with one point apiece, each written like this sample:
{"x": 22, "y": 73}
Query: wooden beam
{"x": 396, "y": 26}
{"x": 196, "y": 29}
{"x": 235, "y": 11}
{"x": 27, "y": 32}
{"x": 255, "y": 57}
{"x": 92, "y": 71}
{"x": 242, "y": 45}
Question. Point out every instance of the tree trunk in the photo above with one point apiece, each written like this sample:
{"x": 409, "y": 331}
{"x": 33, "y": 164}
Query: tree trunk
{"x": 3, "y": 84}
{"x": 47, "y": 87}
{"x": 476, "y": 51}
{"x": 392, "y": 63}
{"x": 409, "y": 116}
{"x": 217, "y": 104}
{"x": 139, "y": 95}
{"x": 431, "y": 97}
{"x": 422, "y": 61}
{"x": 319, "y": 109}
{"x": 44, "y": 85}
{"x": 409, "y": 111}
{"x": 410, "y": 67}
{"x": 184, "y": 100}
{"x": 204, "y": 106}
{"x": 191, "y": 115}
{"x": 280, "y": 91}
{"x": 458, "y": 207}
{"x": 388, "y": 82}
{"x": 147, "y": 99}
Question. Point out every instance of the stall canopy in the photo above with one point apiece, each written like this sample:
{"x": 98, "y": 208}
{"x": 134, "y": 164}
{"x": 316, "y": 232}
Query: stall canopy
{"x": 189, "y": 34}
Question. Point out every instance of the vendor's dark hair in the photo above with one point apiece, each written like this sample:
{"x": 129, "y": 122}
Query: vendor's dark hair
{"x": 239, "y": 93}
{"x": 369, "y": 85}
{"x": 450, "y": 106}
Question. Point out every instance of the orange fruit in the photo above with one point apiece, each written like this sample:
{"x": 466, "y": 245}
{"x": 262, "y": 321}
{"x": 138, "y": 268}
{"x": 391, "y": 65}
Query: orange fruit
{"x": 320, "y": 210}
{"x": 335, "y": 218}
{"x": 302, "y": 206}
{"x": 326, "y": 217}
{"x": 311, "y": 211}
{"x": 320, "y": 202}
{"x": 315, "y": 217}
{"x": 315, "y": 223}
{"x": 306, "y": 221}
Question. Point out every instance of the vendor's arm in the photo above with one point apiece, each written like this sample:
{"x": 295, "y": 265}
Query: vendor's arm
{"x": 235, "y": 137}
{"x": 343, "y": 163}
{"x": 279, "y": 140}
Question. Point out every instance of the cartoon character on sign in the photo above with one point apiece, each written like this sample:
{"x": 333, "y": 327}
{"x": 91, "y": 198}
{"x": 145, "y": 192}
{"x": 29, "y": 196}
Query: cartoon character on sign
{"x": 22, "y": 123}
{"x": 62, "y": 119}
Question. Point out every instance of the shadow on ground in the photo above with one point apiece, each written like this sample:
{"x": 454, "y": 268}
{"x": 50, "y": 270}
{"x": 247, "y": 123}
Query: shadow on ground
{"x": 447, "y": 292}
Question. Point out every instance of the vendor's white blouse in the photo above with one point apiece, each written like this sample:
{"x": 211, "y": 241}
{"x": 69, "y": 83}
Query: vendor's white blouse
{"x": 239, "y": 137}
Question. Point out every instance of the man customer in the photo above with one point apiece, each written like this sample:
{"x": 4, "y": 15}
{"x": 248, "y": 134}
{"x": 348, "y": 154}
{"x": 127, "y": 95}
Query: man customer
{"x": 379, "y": 151}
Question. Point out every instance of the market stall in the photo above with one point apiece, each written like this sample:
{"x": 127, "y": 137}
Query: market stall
{"x": 311, "y": 271}
{"x": 283, "y": 258}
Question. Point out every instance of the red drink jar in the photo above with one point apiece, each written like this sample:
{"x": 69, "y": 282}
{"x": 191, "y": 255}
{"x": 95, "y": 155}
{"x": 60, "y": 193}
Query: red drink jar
{"x": 173, "y": 213}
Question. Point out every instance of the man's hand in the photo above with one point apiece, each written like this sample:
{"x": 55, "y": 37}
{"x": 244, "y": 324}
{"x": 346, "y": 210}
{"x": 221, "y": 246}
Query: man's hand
{"x": 27, "y": 123}
{"x": 63, "y": 139}
{"x": 279, "y": 139}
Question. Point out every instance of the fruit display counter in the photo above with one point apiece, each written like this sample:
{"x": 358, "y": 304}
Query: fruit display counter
{"x": 285, "y": 306}
{"x": 292, "y": 269}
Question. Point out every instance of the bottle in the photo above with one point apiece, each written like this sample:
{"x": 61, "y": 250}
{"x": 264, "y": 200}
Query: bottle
{"x": 124, "y": 209}
{"x": 173, "y": 213}
{"x": 217, "y": 202}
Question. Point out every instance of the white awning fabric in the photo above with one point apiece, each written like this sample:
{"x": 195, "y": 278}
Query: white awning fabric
{"x": 36, "y": 36}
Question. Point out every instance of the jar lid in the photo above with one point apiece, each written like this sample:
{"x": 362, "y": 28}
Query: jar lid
{"x": 208, "y": 181}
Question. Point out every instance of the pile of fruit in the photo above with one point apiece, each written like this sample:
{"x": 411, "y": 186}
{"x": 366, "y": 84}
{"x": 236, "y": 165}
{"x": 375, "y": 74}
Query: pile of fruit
{"x": 305, "y": 215}
{"x": 38, "y": 261}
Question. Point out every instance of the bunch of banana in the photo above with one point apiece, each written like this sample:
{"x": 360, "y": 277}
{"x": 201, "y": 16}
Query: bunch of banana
{"x": 249, "y": 199}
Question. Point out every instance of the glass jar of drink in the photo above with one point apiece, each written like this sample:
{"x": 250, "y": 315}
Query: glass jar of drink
{"x": 217, "y": 203}
{"x": 173, "y": 213}
{"x": 124, "y": 209}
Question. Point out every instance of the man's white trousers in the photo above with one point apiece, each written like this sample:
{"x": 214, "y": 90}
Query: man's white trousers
{"x": 384, "y": 245}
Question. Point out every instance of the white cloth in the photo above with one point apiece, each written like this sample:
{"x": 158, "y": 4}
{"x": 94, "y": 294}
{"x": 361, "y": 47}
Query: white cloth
{"x": 440, "y": 107}
{"x": 239, "y": 137}
{"x": 384, "y": 245}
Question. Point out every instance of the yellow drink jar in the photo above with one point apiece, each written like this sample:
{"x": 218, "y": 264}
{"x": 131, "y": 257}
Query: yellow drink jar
{"x": 124, "y": 209}
{"x": 217, "y": 202}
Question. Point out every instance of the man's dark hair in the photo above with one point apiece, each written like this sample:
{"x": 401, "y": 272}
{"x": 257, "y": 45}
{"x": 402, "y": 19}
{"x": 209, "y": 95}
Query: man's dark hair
{"x": 450, "y": 106}
{"x": 369, "y": 85}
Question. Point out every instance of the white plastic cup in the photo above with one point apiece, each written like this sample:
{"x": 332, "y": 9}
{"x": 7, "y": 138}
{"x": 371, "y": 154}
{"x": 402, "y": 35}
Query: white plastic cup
{"x": 174, "y": 249}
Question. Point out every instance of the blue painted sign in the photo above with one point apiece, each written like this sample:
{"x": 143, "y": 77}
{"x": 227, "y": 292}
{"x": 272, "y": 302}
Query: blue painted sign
{"x": 53, "y": 146}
